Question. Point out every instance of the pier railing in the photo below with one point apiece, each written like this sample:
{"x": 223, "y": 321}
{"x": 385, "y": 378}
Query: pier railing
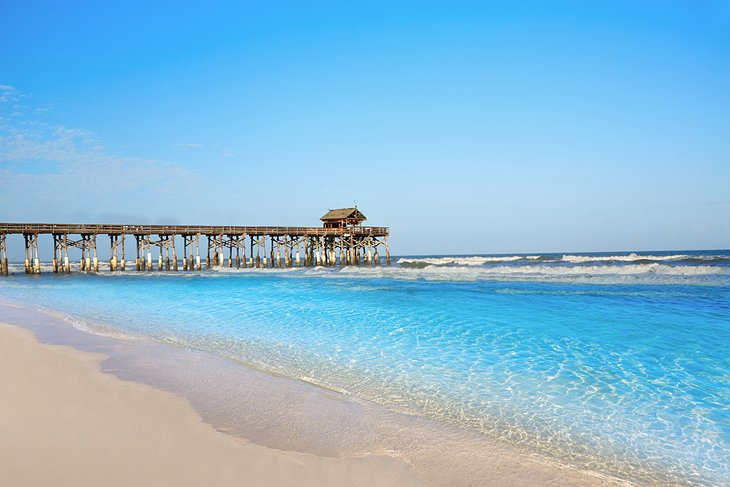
{"x": 96, "y": 229}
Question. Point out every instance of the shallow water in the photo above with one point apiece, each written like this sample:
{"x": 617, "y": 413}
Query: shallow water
{"x": 615, "y": 363}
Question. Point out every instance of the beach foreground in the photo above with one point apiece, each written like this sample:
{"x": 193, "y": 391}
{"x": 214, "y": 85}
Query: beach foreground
{"x": 64, "y": 422}
{"x": 67, "y": 418}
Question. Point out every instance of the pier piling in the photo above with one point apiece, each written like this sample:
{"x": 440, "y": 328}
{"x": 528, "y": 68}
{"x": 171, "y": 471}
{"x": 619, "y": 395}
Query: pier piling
{"x": 123, "y": 262}
{"x": 3, "y": 255}
{"x": 56, "y": 249}
{"x": 174, "y": 254}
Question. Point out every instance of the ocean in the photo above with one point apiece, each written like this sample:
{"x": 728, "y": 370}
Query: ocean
{"x": 612, "y": 362}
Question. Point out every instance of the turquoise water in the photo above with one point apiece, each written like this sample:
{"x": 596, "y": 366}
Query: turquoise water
{"x": 615, "y": 362}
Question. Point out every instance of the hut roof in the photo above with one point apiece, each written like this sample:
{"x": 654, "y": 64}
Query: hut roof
{"x": 343, "y": 214}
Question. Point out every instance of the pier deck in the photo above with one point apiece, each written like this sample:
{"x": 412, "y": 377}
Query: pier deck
{"x": 103, "y": 229}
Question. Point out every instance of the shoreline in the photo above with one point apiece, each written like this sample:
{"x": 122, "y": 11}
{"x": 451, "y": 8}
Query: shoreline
{"x": 312, "y": 426}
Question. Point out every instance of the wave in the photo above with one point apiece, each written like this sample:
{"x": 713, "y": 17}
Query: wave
{"x": 609, "y": 274}
{"x": 474, "y": 261}
{"x": 460, "y": 261}
{"x": 653, "y": 268}
{"x": 707, "y": 259}
{"x": 468, "y": 261}
{"x": 658, "y": 274}
{"x": 623, "y": 258}
{"x": 630, "y": 269}
{"x": 574, "y": 259}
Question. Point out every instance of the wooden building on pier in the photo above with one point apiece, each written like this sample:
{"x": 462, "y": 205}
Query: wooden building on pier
{"x": 343, "y": 217}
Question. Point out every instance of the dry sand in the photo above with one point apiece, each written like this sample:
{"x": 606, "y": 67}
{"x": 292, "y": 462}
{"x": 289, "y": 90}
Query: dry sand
{"x": 65, "y": 423}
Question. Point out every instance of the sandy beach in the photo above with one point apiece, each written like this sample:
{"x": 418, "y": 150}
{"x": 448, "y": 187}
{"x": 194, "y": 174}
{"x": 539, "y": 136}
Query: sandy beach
{"x": 65, "y": 423}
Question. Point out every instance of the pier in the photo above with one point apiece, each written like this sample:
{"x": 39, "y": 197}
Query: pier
{"x": 341, "y": 241}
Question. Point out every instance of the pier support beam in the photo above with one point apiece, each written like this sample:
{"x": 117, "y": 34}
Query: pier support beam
{"x": 148, "y": 251}
{"x": 123, "y": 262}
{"x": 244, "y": 255}
{"x": 36, "y": 255}
{"x": 137, "y": 262}
{"x": 87, "y": 248}
{"x": 197, "y": 249}
{"x": 96, "y": 259}
{"x": 113, "y": 244}
{"x": 263, "y": 243}
{"x": 56, "y": 251}
{"x": 3, "y": 255}
{"x": 82, "y": 262}
{"x": 174, "y": 254}
{"x": 164, "y": 247}
{"x": 27, "y": 253}
{"x": 160, "y": 260}
{"x": 185, "y": 252}
{"x": 66, "y": 263}
{"x": 32, "y": 259}
{"x": 207, "y": 259}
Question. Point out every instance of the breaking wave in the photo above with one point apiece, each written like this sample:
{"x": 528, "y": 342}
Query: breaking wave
{"x": 596, "y": 274}
{"x": 623, "y": 258}
{"x": 459, "y": 261}
{"x": 452, "y": 261}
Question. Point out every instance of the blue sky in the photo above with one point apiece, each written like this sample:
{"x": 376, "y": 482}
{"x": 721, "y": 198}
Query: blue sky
{"x": 467, "y": 127}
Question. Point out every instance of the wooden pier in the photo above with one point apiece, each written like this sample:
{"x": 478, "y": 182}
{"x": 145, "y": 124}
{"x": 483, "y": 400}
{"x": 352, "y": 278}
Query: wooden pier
{"x": 341, "y": 241}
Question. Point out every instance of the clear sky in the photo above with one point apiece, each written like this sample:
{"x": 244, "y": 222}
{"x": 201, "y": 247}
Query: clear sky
{"x": 467, "y": 127}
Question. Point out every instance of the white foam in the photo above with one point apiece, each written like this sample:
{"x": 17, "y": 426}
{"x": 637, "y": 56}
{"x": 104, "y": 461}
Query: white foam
{"x": 89, "y": 327}
{"x": 574, "y": 259}
{"x": 603, "y": 274}
{"x": 621, "y": 258}
{"x": 629, "y": 269}
{"x": 463, "y": 261}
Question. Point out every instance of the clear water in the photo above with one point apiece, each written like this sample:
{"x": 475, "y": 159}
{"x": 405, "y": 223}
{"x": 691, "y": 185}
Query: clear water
{"x": 614, "y": 362}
